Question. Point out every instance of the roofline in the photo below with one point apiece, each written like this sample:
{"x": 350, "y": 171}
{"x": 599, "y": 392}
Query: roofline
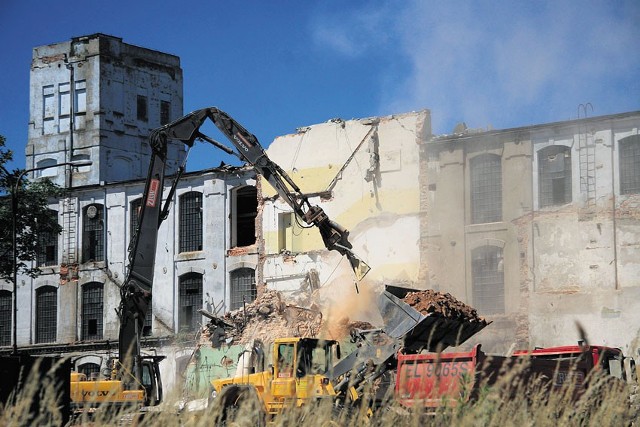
{"x": 539, "y": 126}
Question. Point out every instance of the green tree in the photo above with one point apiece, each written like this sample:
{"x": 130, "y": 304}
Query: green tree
{"x": 33, "y": 217}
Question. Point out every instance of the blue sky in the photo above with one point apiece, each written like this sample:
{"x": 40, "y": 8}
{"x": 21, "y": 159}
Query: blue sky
{"x": 279, "y": 65}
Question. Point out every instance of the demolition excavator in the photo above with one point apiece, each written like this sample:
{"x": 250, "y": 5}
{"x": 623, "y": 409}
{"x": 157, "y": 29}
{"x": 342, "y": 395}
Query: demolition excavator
{"x": 135, "y": 378}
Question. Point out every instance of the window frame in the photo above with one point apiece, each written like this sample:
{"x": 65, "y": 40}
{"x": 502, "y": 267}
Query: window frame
{"x": 240, "y": 287}
{"x": 46, "y": 314}
{"x": 629, "y": 164}
{"x": 485, "y": 188}
{"x": 187, "y": 284}
{"x": 190, "y": 222}
{"x": 92, "y": 310}
{"x": 547, "y": 177}
{"x": 488, "y": 283}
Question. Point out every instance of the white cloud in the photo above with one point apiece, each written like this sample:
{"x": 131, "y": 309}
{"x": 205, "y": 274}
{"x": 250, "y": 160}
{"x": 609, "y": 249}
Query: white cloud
{"x": 499, "y": 62}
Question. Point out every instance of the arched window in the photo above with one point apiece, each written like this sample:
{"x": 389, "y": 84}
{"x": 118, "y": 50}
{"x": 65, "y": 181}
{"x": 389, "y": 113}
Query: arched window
{"x": 89, "y": 368}
{"x": 488, "y": 279}
{"x": 92, "y": 311}
{"x": 93, "y": 233}
{"x": 244, "y": 210}
{"x": 190, "y": 222}
{"x": 190, "y": 301}
{"x": 243, "y": 287}
{"x": 49, "y": 165}
{"x": 554, "y": 175}
{"x": 486, "y": 189}
{"x": 48, "y": 245}
{"x": 46, "y": 314}
{"x": 630, "y": 165}
{"x": 5, "y": 317}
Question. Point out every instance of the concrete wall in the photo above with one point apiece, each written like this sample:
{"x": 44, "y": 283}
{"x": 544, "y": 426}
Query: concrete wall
{"x": 365, "y": 181}
{"x": 108, "y": 76}
{"x": 216, "y": 261}
{"x": 567, "y": 263}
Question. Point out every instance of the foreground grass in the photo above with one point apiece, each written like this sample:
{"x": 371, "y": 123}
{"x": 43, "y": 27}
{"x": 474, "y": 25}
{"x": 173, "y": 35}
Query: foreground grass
{"x": 509, "y": 402}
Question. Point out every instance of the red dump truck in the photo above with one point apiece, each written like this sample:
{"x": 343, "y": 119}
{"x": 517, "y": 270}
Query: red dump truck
{"x": 433, "y": 380}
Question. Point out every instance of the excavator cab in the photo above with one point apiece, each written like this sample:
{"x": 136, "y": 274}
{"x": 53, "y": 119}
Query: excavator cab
{"x": 151, "y": 380}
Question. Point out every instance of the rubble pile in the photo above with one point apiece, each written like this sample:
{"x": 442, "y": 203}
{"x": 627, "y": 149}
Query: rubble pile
{"x": 269, "y": 317}
{"x": 430, "y": 301}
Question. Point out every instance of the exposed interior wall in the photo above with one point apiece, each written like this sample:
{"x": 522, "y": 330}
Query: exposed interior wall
{"x": 363, "y": 173}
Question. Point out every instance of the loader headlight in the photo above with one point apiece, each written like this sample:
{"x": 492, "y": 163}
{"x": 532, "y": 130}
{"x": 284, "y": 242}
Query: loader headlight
{"x": 213, "y": 395}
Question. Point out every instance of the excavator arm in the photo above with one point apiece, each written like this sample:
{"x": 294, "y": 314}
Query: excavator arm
{"x": 136, "y": 290}
{"x": 247, "y": 148}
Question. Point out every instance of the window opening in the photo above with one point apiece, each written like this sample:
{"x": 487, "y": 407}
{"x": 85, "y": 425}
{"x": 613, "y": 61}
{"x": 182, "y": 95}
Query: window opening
{"x": 165, "y": 112}
{"x": 93, "y": 234}
{"x": 488, "y": 280}
{"x": 191, "y": 222}
{"x": 6, "y": 305}
{"x": 46, "y": 314}
{"x": 141, "y": 108}
{"x": 92, "y": 311}
{"x": 244, "y": 216}
{"x": 243, "y": 287}
{"x": 48, "y": 246}
{"x": 486, "y": 189}
{"x": 630, "y": 165}
{"x": 190, "y": 301}
{"x": 554, "y": 175}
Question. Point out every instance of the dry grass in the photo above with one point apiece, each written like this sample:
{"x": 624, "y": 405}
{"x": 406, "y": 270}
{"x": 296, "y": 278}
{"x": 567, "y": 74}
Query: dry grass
{"x": 511, "y": 401}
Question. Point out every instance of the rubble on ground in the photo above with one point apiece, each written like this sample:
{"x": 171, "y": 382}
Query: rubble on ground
{"x": 429, "y": 301}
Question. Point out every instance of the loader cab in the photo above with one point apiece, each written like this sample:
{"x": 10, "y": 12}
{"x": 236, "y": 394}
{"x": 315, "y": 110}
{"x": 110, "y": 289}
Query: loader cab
{"x": 299, "y": 357}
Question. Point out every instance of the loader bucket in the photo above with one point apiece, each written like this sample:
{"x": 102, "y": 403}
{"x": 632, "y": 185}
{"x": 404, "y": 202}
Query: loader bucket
{"x": 433, "y": 332}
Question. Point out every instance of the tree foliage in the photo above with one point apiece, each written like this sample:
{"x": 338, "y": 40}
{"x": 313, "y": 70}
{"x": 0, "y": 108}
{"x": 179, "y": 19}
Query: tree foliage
{"x": 33, "y": 217}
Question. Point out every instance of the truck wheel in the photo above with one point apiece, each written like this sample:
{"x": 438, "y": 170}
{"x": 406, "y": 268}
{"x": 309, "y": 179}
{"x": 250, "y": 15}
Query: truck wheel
{"x": 238, "y": 403}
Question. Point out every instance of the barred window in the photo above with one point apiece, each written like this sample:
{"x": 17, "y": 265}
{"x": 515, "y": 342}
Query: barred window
{"x": 554, "y": 175}
{"x": 5, "y": 318}
{"x": 92, "y": 309}
{"x": 48, "y": 246}
{"x": 486, "y": 189}
{"x": 244, "y": 211}
{"x": 191, "y": 222}
{"x": 630, "y": 165}
{"x": 488, "y": 279}
{"x": 243, "y": 287}
{"x": 133, "y": 217}
{"x": 46, "y": 314}
{"x": 93, "y": 233}
{"x": 190, "y": 301}
{"x": 89, "y": 368}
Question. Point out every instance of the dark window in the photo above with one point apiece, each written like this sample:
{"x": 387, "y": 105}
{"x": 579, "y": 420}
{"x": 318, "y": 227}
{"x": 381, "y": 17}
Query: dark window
{"x": 486, "y": 189}
{"x": 48, "y": 246}
{"x": 133, "y": 217}
{"x": 142, "y": 108}
{"x": 191, "y": 222}
{"x": 554, "y": 174}
{"x": 93, "y": 233}
{"x": 146, "y": 328}
{"x": 92, "y": 309}
{"x": 630, "y": 165}
{"x": 190, "y": 301}
{"x": 46, "y": 314}
{"x": 243, "y": 287}
{"x": 165, "y": 112}
{"x": 245, "y": 210}
{"x": 89, "y": 369}
{"x": 488, "y": 280}
{"x": 6, "y": 305}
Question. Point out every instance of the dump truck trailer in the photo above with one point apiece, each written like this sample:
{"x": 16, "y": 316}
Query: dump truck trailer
{"x": 448, "y": 379}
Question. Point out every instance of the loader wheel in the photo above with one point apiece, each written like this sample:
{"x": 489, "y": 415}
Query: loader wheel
{"x": 239, "y": 405}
